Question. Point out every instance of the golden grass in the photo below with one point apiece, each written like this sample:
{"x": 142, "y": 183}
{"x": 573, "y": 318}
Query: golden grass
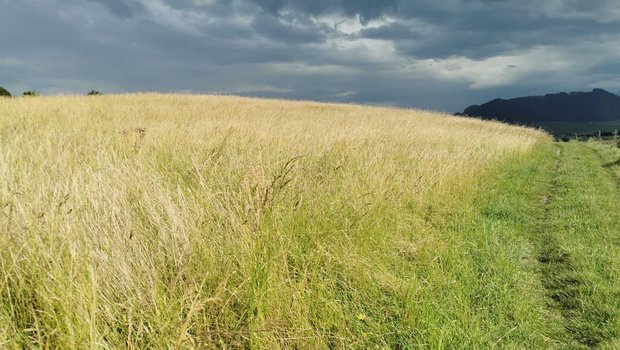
{"x": 173, "y": 221}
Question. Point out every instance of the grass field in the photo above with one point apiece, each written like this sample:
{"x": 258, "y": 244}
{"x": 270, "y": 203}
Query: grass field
{"x": 580, "y": 243}
{"x": 193, "y": 222}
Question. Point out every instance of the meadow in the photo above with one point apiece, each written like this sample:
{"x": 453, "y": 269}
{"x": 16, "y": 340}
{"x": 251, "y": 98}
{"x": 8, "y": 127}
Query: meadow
{"x": 191, "y": 222}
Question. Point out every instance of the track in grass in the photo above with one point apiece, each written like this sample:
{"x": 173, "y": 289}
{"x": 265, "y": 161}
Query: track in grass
{"x": 574, "y": 262}
{"x": 558, "y": 274}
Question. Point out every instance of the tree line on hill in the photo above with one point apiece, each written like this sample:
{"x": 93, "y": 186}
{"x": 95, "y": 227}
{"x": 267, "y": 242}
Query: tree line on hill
{"x": 597, "y": 105}
{"x": 559, "y": 113}
{"x": 5, "y": 93}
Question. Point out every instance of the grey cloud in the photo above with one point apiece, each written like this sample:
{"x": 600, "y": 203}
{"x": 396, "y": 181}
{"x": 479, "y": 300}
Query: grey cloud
{"x": 121, "y": 8}
{"x": 290, "y": 48}
{"x": 392, "y": 31}
{"x": 365, "y": 9}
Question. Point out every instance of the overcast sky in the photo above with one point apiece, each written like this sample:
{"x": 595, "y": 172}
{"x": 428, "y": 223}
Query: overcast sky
{"x": 438, "y": 54}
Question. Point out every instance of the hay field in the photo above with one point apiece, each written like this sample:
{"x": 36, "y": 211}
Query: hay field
{"x": 173, "y": 221}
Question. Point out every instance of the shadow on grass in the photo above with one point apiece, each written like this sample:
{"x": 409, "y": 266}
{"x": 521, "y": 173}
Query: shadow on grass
{"x": 612, "y": 164}
{"x": 565, "y": 286}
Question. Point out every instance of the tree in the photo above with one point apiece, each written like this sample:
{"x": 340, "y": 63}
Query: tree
{"x": 4, "y": 92}
{"x": 93, "y": 93}
{"x": 30, "y": 93}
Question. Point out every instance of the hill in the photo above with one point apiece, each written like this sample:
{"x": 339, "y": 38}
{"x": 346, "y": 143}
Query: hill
{"x": 554, "y": 111}
{"x": 154, "y": 221}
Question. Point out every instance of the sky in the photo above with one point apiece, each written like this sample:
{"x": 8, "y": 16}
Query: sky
{"x": 434, "y": 54}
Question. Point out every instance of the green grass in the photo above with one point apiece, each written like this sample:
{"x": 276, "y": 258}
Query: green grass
{"x": 562, "y": 207}
{"x": 573, "y": 215}
{"x": 581, "y": 256}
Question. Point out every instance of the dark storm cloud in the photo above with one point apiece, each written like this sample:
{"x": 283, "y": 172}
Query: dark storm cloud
{"x": 366, "y": 9}
{"x": 279, "y": 30}
{"x": 424, "y": 53}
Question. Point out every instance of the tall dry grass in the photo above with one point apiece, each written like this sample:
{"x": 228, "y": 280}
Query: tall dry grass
{"x": 168, "y": 221}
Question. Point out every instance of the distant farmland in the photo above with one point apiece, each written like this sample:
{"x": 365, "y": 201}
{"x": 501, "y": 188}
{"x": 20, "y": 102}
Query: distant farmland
{"x": 568, "y": 128}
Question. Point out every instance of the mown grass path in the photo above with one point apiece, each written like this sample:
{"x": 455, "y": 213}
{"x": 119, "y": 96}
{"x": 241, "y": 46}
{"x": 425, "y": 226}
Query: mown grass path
{"x": 578, "y": 245}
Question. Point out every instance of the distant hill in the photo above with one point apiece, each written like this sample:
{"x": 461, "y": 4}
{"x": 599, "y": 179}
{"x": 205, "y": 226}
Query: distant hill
{"x": 4, "y": 92}
{"x": 558, "y": 113}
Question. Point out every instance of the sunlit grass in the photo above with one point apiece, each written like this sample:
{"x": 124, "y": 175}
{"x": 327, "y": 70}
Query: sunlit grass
{"x": 166, "y": 221}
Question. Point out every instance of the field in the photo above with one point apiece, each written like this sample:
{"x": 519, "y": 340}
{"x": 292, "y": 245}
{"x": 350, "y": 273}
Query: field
{"x": 192, "y": 222}
{"x": 568, "y": 128}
